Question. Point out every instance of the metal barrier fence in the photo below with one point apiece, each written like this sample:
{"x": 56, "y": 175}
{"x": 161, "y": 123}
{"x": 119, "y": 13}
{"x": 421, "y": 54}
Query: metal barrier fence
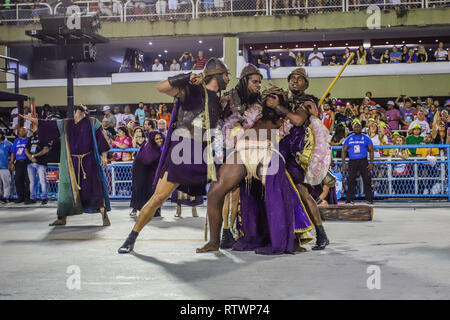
{"x": 24, "y": 13}
{"x": 109, "y": 10}
{"x": 416, "y": 177}
{"x": 126, "y": 11}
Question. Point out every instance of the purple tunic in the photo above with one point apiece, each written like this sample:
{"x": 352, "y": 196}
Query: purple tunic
{"x": 143, "y": 172}
{"x": 79, "y": 137}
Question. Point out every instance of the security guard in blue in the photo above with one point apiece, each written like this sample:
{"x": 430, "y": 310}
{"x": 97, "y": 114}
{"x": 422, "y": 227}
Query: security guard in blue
{"x": 358, "y": 146}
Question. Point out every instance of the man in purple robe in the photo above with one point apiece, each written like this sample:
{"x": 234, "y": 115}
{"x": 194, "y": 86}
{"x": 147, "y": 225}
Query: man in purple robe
{"x": 82, "y": 185}
{"x": 182, "y": 165}
{"x": 305, "y": 148}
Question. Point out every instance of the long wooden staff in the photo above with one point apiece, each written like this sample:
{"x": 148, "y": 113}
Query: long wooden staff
{"x": 336, "y": 79}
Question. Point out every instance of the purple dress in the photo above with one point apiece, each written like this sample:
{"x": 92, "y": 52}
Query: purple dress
{"x": 143, "y": 173}
{"x": 81, "y": 147}
{"x": 273, "y": 218}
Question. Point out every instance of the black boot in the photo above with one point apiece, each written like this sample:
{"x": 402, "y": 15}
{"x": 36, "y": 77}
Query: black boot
{"x": 227, "y": 240}
{"x": 128, "y": 245}
{"x": 321, "y": 239}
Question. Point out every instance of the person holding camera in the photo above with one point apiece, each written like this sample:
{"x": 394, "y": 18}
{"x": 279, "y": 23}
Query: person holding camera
{"x": 186, "y": 61}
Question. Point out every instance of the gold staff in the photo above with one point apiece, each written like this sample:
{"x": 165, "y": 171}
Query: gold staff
{"x": 335, "y": 79}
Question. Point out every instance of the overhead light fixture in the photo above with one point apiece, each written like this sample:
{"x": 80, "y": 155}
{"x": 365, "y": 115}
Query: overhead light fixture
{"x": 420, "y": 41}
{"x": 210, "y": 49}
{"x": 251, "y": 48}
{"x": 281, "y": 46}
{"x": 150, "y": 43}
{"x": 437, "y": 40}
{"x": 159, "y": 55}
{"x": 165, "y": 51}
{"x": 331, "y": 44}
{"x": 296, "y": 45}
{"x": 265, "y": 47}
{"x": 200, "y": 41}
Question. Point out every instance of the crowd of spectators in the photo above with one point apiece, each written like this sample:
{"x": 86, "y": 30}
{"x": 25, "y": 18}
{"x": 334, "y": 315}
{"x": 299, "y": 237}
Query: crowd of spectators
{"x": 405, "y": 121}
{"x": 24, "y": 158}
{"x": 186, "y": 61}
{"x": 127, "y": 130}
{"x": 413, "y": 54}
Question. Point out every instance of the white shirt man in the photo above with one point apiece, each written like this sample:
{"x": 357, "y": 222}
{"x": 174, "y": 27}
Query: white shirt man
{"x": 157, "y": 66}
{"x": 315, "y": 58}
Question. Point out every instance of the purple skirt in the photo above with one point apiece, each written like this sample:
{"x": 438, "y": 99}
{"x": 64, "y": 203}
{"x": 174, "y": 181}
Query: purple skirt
{"x": 190, "y": 175}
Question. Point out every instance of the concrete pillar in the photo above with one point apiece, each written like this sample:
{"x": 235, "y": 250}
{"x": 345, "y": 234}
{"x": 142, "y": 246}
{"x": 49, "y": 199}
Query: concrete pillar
{"x": 230, "y": 52}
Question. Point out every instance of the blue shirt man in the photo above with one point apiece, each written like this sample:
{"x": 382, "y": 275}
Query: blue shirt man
{"x": 358, "y": 146}
{"x": 396, "y": 56}
{"x": 18, "y": 148}
{"x": 5, "y": 151}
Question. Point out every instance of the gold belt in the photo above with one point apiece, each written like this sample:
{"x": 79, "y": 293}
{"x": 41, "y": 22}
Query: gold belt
{"x": 80, "y": 166}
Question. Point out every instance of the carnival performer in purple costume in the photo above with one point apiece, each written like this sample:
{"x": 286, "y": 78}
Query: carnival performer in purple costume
{"x": 182, "y": 164}
{"x": 144, "y": 170}
{"x": 273, "y": 218}
{"x": 306, "y": 148}
{"x": 82, "y": 184}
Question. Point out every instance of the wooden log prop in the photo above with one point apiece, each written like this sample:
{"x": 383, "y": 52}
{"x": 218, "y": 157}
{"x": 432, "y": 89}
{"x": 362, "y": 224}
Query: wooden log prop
{"x": 346, "y": 212}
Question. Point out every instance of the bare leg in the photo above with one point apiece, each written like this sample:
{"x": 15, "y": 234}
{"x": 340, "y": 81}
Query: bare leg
{"x": 163, "y": 190}
{"x": 311, "y": 205}
{"x": 230, "y": 175}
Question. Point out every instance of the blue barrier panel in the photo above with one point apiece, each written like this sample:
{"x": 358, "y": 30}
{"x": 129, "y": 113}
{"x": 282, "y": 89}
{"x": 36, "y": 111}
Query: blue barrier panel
{"x": 415, "y": 177}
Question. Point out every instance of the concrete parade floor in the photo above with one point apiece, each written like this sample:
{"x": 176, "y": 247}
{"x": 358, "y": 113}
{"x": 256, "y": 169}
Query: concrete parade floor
{"x": 409, "y": 244}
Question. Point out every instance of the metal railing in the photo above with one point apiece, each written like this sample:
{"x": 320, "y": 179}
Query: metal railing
{"x": 116, "y": 10}
{"x": 24, "y": 13}
{"x": 416, "y": 177}
{"x": 159, "y": 10}
{"x": 108, "y": 9}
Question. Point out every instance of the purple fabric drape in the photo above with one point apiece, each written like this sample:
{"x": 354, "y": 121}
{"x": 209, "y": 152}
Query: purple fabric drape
{"x": 271, "y": 216}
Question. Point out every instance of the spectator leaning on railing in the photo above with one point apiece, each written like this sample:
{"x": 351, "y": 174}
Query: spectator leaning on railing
{"x": 441, "y": 54}
{"x": 200, "y": 62}
{"x": 395, "y": 55}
